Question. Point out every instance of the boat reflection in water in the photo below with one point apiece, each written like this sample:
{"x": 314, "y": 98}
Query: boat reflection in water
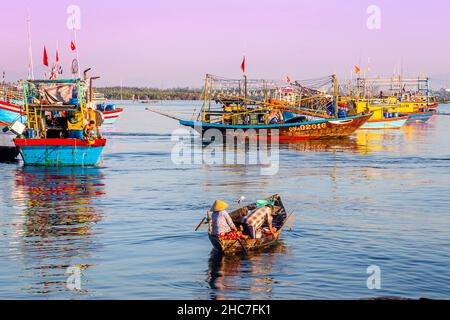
{"x": 239, "y": 273}
{"x": 55, "y": 226}
{"x": 345, "y": 144}
{"x": 373, "y": 141}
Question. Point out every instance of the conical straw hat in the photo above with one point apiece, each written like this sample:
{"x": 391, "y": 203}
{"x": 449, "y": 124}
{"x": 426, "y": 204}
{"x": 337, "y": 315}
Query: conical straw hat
{"x": 219, "y": 206}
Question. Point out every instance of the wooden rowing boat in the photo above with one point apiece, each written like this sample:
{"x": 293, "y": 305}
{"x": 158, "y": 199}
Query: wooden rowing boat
{"x": 280, "y": 219}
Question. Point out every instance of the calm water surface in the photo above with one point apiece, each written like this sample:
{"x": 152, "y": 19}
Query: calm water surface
{"x": 378, "y": 198}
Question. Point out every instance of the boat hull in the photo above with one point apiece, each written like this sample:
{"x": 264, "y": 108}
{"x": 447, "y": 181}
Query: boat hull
{"x": 237, "y": 246}
{"x": 8, "y": 153}
{"x": 10, "y": 112}
{"x": 384, "y": 124}
{"x": 420, "y": 117}
{"x": 285, "y": 132}
{"x": 60, "y": 152}
{"x": 111, "y": 116}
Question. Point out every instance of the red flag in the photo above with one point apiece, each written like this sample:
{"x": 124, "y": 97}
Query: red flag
{"x": 45, "y": 57}
{"x": 243, "y": 65}
{"x": 72, "y": 46}
{"x": 288, "y": 79}
{"x": 57, "y": 56}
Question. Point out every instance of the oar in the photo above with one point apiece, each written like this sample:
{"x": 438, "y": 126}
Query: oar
{"x": 200, "y": 225}
{"x": 204, "y": 222}
{"x": 243, "y": 247}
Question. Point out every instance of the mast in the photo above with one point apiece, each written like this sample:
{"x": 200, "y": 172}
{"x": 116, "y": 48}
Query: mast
{"x": 205, "y": 99}
{"x": 336, "y": 95}
{"x": 30, "y": 51}
{"x": 245, "y": 87}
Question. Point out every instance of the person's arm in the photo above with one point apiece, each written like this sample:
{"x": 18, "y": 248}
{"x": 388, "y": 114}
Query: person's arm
{"x": 269, "y": 222}
{"x": 230, "y": 222}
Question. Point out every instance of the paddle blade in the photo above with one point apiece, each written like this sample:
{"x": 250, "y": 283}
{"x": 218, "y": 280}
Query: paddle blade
{"x": 200, "y": 225}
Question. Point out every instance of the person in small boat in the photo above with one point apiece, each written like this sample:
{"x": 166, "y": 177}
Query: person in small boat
{"x": 257, "y": 218}
{"x": 276, "y": 116}
{"x": 221, "y": 222}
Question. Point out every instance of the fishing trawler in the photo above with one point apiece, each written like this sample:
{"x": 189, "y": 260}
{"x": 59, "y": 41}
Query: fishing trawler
{"x": 58, "y": 115}
{"x": 266, "y": 109}
{"x": 399, "y": 98}
{"x": 385, "y": 115}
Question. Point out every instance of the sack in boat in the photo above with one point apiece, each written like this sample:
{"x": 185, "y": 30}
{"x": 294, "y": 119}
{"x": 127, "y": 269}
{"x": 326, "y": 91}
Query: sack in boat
{"x": 233, "y": 235}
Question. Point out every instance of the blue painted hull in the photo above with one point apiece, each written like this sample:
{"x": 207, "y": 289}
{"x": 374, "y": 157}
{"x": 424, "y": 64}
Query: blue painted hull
{"x": 420, "y": 118}
{"x": 285, "y": 132}
{"x": 53, "y": 154}
{"x": 9, "y": 116}
{"x": 61, "y": 156}
{"x": 383, "y": 125}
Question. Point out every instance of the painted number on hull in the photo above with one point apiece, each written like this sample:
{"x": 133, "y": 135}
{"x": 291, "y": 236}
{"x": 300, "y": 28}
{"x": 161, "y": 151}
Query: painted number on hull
{"x": 309, "y": 127}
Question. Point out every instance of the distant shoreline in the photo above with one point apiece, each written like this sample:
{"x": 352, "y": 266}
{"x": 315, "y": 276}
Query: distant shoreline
{"x": 149, "y": 94}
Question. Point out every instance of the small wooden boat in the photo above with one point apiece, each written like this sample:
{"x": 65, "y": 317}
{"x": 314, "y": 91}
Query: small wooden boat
{"x": 280, "y": 219}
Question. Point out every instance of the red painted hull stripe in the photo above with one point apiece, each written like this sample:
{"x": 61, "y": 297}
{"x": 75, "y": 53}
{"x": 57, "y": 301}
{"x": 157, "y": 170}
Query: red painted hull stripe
{"x": 58, "y": 142}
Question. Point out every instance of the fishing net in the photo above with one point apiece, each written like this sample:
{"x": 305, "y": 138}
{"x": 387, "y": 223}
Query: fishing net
{"x": 313, "y": 95}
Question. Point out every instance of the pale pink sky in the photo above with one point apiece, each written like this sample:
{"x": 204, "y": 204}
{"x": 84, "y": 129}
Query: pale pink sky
{"x": 175, "y": 42}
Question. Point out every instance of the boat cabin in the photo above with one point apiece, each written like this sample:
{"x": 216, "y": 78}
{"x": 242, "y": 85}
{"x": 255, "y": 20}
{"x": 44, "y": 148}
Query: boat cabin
{"x": 56, "y": 109}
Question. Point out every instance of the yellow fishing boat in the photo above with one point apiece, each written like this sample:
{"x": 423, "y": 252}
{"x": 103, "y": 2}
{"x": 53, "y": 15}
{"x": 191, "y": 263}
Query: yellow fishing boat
{"x": 401, "y": 97}
{"x": 385, "y": 113}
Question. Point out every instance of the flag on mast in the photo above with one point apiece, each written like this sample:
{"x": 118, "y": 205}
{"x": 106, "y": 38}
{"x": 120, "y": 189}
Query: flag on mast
{"x": 357, "y": 70}
{"x": 243, "y": 65}
{"x": 72, "y": 46}
{"x": 45, "y": 57}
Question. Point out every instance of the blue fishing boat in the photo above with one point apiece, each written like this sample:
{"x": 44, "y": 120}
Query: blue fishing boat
{"x": 61, "y": 129}
{"x": 270, "y": 110}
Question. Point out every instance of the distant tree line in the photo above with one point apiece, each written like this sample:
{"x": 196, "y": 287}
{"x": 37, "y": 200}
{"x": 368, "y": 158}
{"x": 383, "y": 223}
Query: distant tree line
{"x": 442, "y": 95}
{"x": 135, "y": 93}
